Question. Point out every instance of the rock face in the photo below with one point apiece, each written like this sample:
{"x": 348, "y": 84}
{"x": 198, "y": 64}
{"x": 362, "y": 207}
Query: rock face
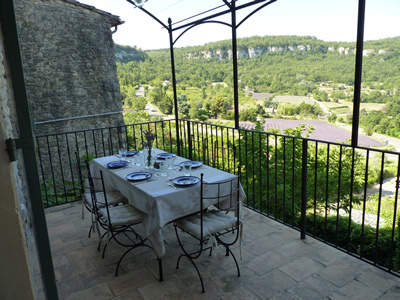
{"x": 125, "y": 54}
{"x": 245, "y": 52}
{"x": 69, "y": 65}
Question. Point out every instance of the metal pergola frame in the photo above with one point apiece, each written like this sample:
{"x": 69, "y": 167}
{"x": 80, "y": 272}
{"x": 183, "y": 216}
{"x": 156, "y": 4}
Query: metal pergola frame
{"x": 232, "y": 8}
{"x": 26, "y": 143}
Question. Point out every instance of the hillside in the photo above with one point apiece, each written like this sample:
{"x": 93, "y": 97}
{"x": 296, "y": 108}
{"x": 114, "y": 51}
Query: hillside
{"x": 277, "y": 65}
{"x": 125, "y": 54}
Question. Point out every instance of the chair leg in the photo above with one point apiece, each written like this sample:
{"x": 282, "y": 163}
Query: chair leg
{"x": 160, "y": 269}
{"x": 234, "y": 258}
{"x": 120, "y": 260}
{"x": 198, "y": 273}
{"x": 125, "y": 253}
{"x": 90, "y": 230}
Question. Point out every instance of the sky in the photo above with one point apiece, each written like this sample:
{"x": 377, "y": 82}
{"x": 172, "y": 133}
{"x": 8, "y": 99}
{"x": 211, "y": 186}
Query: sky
{"x": 328, "y": 20}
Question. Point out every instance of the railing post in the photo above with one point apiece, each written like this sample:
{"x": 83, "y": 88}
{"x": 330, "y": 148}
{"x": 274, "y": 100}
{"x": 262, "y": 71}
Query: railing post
{"x": 189, "y": 137}
{"x": 303, "y": 191}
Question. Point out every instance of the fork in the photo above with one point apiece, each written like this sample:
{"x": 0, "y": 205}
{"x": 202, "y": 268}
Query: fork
{"x": 171, "y": 185}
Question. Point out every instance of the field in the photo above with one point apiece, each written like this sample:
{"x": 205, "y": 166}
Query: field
{"x": 344, "y": 107}
{"x": 324, "y": 131}
{"x": 294, "y": 99}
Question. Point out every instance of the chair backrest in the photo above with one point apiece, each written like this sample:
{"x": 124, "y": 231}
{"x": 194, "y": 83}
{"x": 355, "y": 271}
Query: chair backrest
{"x": 224, "y": 196}
{"x": 97, "y": 202}
{"x": 80, "y": 177}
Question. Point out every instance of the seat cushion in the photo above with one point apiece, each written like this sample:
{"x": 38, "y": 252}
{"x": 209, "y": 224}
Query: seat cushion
{"x": 113, "y": 198}
{"x": 122, "y": 215}
{"x": 213, "y": 222}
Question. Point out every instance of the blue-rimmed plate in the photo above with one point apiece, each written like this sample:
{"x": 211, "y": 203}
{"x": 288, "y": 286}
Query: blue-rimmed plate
{"x": 131, "y": 152}
{"x": 138, "y": 176}
{"x": 117, "y": 164}
{"x": 185, "y": 180}
{"x": 165, "y": 155}
{"x": 195, "y": 164}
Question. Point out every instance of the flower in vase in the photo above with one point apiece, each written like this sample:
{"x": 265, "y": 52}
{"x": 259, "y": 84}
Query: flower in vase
{"x": 148, "y": 144}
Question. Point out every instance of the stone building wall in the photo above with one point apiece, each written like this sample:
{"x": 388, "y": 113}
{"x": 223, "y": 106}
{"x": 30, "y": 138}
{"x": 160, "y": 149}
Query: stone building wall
{"x": 69, "y": 65}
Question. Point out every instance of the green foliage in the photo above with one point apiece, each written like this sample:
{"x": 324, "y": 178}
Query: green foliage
{"x": 332, "y": 118}
{"x": 303, "y": 109}
{"x": 356, "y": 242}
{"x": 274, "y": 172}
{"x": 324, "y": 74}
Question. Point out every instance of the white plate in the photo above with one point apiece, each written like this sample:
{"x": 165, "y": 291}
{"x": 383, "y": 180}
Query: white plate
{"x": 117, "y": 164}
{"x": 165, "y": 155}
{"x": 195, "y": 164}
{"x": 138, "y": 176}
{"x": 185, "y": 180}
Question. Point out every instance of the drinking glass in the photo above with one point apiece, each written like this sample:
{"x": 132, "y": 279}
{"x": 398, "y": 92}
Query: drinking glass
{"x": 187, "y": 168}
{"x": 170, "y": 162}
{"x": 163, "y": 168}
{"x": 139, "y": 157}
{"x": 122, "y": 154}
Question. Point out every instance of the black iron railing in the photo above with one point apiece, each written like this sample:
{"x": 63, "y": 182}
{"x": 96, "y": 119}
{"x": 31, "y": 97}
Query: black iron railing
{"x": 344, "y": 196}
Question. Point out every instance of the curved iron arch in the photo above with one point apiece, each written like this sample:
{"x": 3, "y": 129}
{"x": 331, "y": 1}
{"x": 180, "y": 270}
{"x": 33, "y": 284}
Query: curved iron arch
{"x": 200, "y": 23}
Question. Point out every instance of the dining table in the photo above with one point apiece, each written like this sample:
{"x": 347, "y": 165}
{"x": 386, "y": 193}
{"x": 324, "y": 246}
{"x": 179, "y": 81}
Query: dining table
{"x": 158, "y": 198}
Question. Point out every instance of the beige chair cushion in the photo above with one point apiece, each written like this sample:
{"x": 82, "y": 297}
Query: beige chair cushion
{"x": 122, "y": 215}
{"x": 213, "y": 222}
{"x": 113, "y": 198}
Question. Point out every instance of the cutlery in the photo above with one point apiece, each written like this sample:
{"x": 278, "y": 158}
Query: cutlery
{"x": 144, "y": 181}
{"x": 171, "y": 185}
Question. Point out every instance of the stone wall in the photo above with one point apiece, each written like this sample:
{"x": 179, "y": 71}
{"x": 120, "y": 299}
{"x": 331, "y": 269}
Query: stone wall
{"x": 69, "y": 65}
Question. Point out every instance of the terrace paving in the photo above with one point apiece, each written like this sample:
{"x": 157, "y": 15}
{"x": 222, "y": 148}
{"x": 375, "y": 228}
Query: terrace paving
{"x": 276, "y": 264}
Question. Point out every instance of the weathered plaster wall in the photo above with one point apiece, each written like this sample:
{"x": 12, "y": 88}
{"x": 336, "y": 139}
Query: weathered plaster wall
{"x": 17, "y": 243}
{"x": 69, "y": 65}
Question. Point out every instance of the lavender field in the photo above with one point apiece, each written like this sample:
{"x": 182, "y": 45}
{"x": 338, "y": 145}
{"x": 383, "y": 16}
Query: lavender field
{"x": 323, "y": 131}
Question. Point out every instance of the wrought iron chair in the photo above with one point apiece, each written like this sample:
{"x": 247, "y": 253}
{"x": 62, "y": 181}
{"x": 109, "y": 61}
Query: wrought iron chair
{"x": 212, "y": 223}
{"x": 117, "y": 220}
{"x": 114, "y": 197}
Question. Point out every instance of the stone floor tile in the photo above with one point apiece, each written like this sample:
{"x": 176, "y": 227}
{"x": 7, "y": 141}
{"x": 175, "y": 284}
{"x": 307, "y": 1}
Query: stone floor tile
{"x": 227, "y": 262}
{"x": 132, "y": 295}
{"x": 99, "y": 292}
{"x": 304, "y": 292}
{"x": 327, "y": 255}
{"x": 82, "y": 253}
{"x": 393, "y": 293}
{"x": 69, "y": 286}
{"x": 355, "y": 290}
{"x": 239, "y": 294}
{"x": 59, "y": 246}
{"x": 295, "y": 248}
{"x": 160, "y": 290}
{"x": 81, "y": 272}
{"x": 262, "y": 245}
{"x": 339, "y": 273}
{"x": 284, "y": 296}
{"x": 60, "y": 260}
{"x": 266, "y": 262}
{"x": 301, "y": 267}
{"x": 270, "y": 284}
{"x": 229, "y": 281}
{"x": 122, "y": 284}
{"x": 378, "y": 279}
{"x": 319, "y": 284}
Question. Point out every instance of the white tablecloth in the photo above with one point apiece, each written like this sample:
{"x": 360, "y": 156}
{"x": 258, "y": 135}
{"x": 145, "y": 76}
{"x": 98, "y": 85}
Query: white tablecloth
{"x": 159, "y": 202}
